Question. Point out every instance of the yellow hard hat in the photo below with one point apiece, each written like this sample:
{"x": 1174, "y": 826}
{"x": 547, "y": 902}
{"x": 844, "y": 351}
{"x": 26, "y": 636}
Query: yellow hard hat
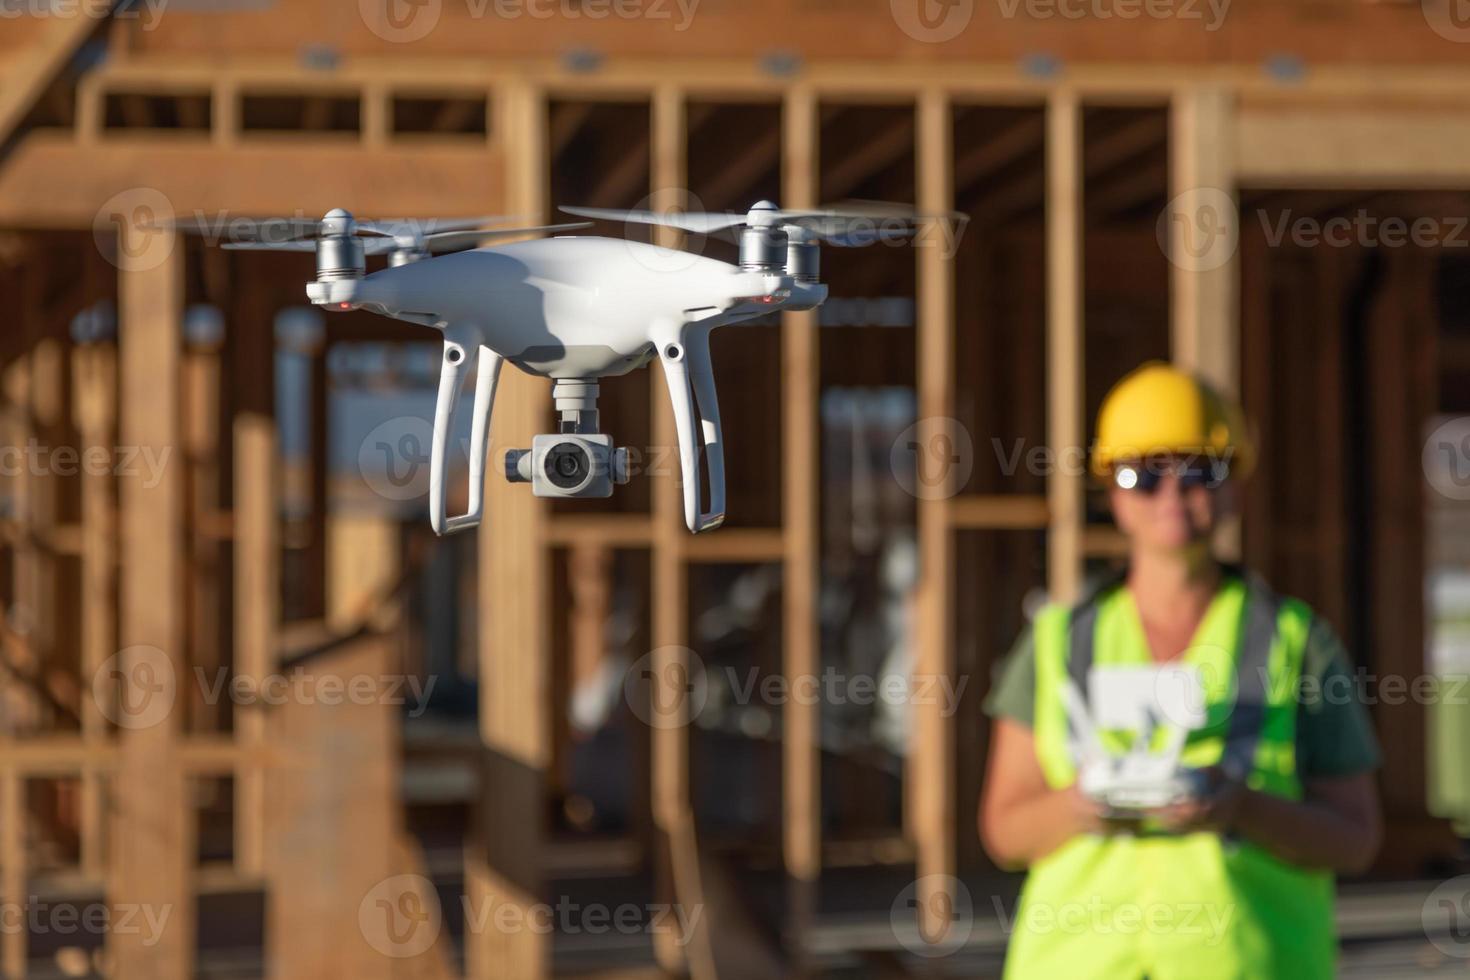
{"x": 1157, "y": 409}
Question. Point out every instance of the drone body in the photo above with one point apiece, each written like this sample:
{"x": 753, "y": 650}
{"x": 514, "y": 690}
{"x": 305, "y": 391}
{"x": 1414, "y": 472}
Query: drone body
{"x": 575, "y": 310}
{"x": 568, "y": 307}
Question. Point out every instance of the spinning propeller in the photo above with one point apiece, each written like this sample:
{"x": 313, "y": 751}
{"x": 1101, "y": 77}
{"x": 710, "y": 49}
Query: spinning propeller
{"x": 775, "y": 238}
{"x": 405, "y": 238}
{"x": 851, "y": 219}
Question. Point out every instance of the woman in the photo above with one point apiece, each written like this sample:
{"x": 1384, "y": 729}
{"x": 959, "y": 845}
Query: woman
{"x": 1235, "y": 879}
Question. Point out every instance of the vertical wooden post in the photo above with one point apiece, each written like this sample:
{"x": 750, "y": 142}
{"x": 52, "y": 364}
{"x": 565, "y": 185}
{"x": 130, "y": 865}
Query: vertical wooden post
{"x": 257, "y": 556}
{"x": 338, "y": 889}
{"x": 224, "y": 124}
{"x": 13, "y": 889}
{"x": 678, "y": 871}
{"x": 94, "y": 391}
{"x": 1065, "y": 426}
{"x": 801, "y": 748}
{"x": 17, "y": 706}
{"x": 1204, "y": 309}
{"x": 376, "y": 115}
{"x": 933, "y": 747}
{"x": 590, "y": 583}
{"x": 200, "y": 431}
{"x": 363, "y": 562}
{"x": 47, "y": 362}
{"x": 505, "y": 856}
{"x": 154, "y": 843}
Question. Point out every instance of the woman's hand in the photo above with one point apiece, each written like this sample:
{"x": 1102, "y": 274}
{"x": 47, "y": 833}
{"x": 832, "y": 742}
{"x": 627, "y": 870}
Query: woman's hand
{"x": 1336, "y": 826}
{"x": 1088, "y": 815}
{"x": 1217, "y": 811}
{"x": 1022, "y": 819}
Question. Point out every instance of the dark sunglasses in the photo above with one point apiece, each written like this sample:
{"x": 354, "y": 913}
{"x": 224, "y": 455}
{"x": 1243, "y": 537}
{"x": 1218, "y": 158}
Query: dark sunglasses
{"x": 1147, "y": 475}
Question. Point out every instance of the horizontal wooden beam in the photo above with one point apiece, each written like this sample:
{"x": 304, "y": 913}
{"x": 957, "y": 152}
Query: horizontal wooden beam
{"x": 70, "y": 755}
{"x": 1104, "y": 542}
{"x": 998, "y": 512}
{"x": 1342, "y": 147}
{"x": 972, "y": 81}
{"x": 737, "y": 544}
{"x": 53, "y": 181}
{"x": 1195, "y": 36}
{"x": 613, "y": 530}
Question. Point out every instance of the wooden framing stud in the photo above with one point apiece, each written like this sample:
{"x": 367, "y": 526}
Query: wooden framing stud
{"x": 931, "y": 771}
{"x": 801, "y": 746}
{"x": 94, "y": 387}
{"x": 505, "y": 854}
{"x": 13, "y": 887}
{"x": 1064, "y": 340}
{"x": 154, "y": 824}
{"x": 1204, "y": 306}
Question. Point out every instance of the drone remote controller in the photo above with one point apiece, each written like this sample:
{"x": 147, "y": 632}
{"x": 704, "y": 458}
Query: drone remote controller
{"x": 1138, "y": 780}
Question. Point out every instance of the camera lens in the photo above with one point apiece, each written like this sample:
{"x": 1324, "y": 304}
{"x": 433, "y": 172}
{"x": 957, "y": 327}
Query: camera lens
{"x": 567, "y": 465}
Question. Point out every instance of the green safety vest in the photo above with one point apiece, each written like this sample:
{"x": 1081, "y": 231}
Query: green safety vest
{"x": 1193, "y": 906}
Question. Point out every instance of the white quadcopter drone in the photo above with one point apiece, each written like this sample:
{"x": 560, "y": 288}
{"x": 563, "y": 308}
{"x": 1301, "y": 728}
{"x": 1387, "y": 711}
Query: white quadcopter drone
{"x": 574, "y": 309}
